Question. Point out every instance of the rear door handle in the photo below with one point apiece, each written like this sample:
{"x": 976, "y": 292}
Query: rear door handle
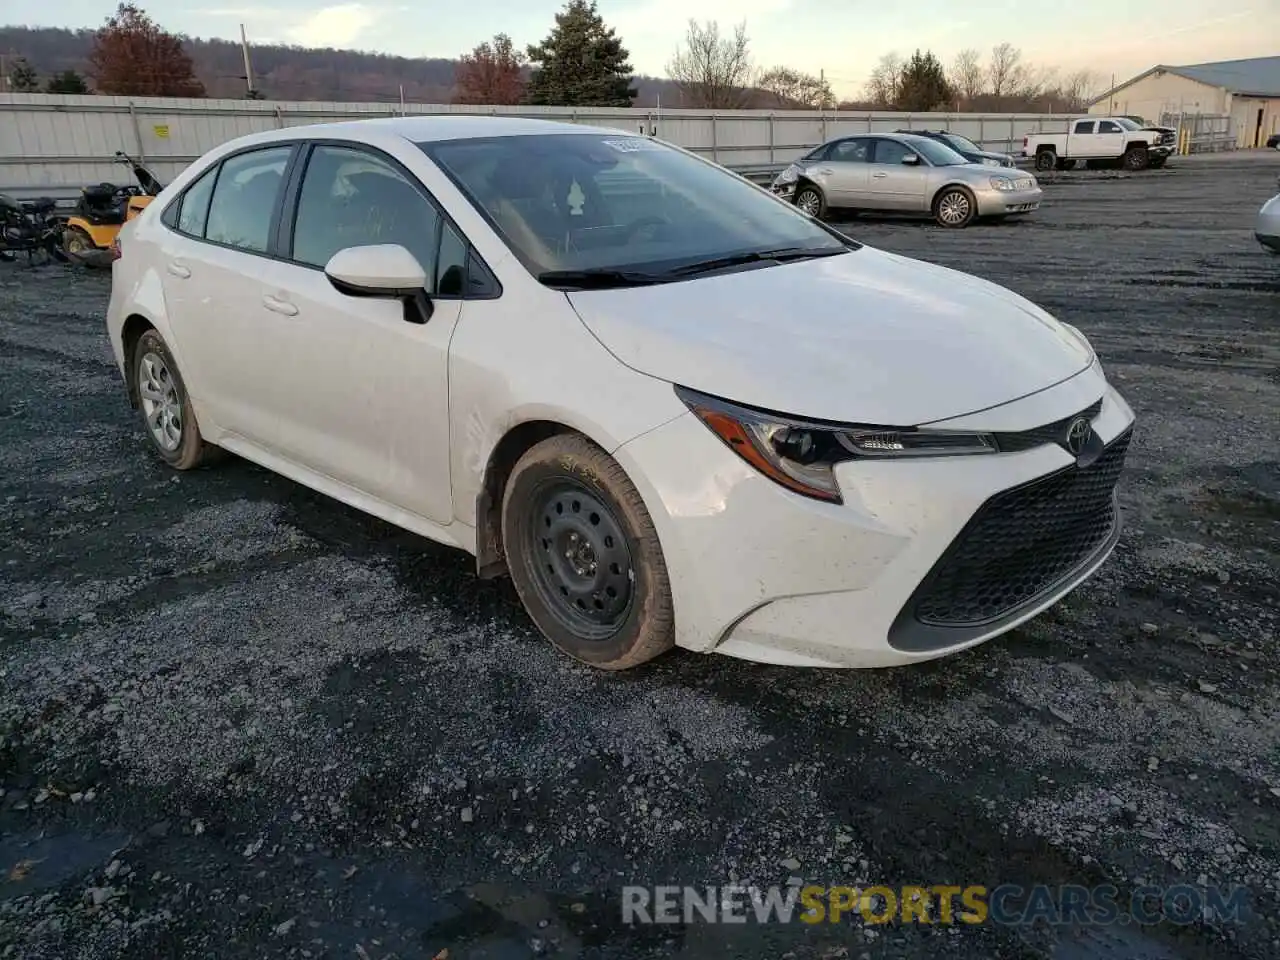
{"x": 879, "y": 176}
{"x": 178, "y": 269}
{"x": 279, "y": 306}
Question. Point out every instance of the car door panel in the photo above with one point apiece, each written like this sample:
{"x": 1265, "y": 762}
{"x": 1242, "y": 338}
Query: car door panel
{"x": 212, "y": 284}
{"x": 845, "y": 179}
{"x": 1109, "y": 139}
{"x": 365, "y": 389}
{"x": 895, "y": 185}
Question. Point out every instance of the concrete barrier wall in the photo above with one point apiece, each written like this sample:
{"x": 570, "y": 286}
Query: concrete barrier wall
{"x": 53, "y": 145}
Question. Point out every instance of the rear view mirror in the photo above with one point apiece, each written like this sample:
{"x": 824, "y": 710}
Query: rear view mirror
{"x": 385, "y": 270}
{"x": 910, "y": 159}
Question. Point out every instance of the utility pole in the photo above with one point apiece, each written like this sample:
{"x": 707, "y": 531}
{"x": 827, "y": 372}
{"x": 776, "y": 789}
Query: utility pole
{"x": 248, "y": 67}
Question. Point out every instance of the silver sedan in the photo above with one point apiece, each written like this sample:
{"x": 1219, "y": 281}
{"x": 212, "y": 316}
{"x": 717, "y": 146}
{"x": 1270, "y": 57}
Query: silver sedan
{"x": 903, "y": 173}
{"x": 1267, "y": 229}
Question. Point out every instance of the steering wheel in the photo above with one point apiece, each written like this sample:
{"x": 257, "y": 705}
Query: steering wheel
{"x": 643, "y": 223}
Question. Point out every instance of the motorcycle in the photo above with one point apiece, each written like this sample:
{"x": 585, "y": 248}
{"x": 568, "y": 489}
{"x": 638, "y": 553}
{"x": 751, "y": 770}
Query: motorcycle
{"x": 103, "y": 209}
{"x": 30, "y": 227}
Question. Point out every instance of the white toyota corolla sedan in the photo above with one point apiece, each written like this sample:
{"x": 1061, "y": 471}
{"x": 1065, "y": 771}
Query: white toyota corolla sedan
{"x": 674, "y": 409}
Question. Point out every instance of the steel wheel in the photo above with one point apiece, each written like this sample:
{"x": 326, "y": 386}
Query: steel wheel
{"x": 161, "y": 401}
{"x": 955, "y": 209}
{"x": 583, "y": 568}
{"x": 809, "y": 201}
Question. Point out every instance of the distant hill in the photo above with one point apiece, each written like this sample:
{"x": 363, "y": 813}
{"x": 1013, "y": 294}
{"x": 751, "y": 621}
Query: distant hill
{"x": 286, "y": 73}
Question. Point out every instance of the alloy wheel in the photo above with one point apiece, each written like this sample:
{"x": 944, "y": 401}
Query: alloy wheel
{"x": 954, "y": 208}
{"x": 809, "y": 202}
{"x": 581, "y": 560}
{"x": 161, "y": 403}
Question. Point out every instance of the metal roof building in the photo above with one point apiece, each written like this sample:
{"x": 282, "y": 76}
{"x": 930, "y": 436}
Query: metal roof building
{"x": 1248, "y": 91}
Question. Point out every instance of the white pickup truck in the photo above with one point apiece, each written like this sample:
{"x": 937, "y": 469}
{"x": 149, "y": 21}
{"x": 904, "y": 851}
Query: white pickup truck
{"x": 1101, "y": 138}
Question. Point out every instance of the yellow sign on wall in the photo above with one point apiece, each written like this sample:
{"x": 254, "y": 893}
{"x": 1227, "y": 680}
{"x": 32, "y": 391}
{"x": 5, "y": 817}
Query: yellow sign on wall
{"x": 161, "y": 130}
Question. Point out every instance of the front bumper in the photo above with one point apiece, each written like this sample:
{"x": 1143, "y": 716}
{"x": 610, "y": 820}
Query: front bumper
{"x": 1267, "y": 229}
{"x": 760, "y": 573}
{"x": 1002, "y": 203}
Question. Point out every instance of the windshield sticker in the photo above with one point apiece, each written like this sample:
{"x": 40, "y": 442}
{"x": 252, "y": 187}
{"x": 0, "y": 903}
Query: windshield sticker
{"x": 632, "y": 144}
{"x": 576, "y": 199}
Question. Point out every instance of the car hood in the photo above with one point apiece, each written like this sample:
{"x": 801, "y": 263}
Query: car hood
{"x": 1004, "y": 158}
{"x": 863, "y": 337}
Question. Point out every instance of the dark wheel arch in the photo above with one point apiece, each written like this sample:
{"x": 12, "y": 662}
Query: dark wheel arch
{"x": 491, "y": 558}
{"x": 134, "y": 327}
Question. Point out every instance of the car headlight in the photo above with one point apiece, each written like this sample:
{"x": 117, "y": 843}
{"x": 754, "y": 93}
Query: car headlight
{"x": 1002, "y": 183}
{"x": 789, "y": 175}
{"x": 801, "y": 454}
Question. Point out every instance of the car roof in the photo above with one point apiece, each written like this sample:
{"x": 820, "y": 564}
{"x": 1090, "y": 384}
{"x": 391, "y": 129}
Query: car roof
{"x": 450, "y": 126}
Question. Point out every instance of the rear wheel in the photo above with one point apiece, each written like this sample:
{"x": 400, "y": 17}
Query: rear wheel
{"x": 76, "y": 242}
{"x": 954, "y": 207}
{"x": 584, "y": 555}
{"x": 1136, "y": 158}
{"x": 166, "y": 408}
{"x": 810, "y": 200}
{"x": 1046, "y": 159}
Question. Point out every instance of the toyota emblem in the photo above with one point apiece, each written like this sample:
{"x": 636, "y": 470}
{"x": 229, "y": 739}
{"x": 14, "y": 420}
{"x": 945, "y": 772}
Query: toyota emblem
{"x": 1078, "y": 436}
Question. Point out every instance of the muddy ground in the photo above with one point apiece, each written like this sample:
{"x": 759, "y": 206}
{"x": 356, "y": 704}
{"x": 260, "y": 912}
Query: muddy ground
{"x": 240, "y": 720}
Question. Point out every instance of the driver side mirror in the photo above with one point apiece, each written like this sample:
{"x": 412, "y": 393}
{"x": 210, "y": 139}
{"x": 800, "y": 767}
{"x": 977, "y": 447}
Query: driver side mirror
{"x": 911, "y": 159}
{"x": 386, "y": 271}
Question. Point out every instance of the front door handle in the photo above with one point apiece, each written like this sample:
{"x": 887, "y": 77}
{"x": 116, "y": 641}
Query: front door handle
{"x": 279, "y": 306}
{"x": 879, "y": 176}
{"x": 178, "y": 269}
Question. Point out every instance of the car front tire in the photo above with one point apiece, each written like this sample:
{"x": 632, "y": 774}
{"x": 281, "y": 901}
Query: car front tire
{"x": 1136, "y": 158}
{"x": 954, "y": 207}
{"x": 167, "y": 416}
{"x": 584, "y": 555}
{"x": 809, "y": 199}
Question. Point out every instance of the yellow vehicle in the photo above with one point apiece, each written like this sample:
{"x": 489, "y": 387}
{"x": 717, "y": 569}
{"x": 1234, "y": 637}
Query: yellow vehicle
{"x": 105, "y": 207}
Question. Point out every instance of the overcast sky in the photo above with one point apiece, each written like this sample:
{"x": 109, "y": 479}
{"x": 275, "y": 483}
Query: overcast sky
{"x": 842, "y": 37}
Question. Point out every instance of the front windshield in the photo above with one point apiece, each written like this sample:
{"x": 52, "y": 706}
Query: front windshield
{"x": 597, "y": 202}
{"x": 1126, "y": 123}
{"x": 938, "y": 154}
{"x": 962, "y": 143}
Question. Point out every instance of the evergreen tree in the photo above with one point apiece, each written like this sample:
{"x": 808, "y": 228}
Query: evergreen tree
{"x": 22, "y": 77}
{"x": 923, "y": 85}
{"x": 582, "y": 63}
{"x": 68, "y": 81}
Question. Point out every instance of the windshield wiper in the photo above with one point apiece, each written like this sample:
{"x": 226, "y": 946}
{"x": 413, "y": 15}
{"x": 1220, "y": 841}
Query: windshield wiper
{"x": 780, "y": 255}
{"x": 598, "y": 279}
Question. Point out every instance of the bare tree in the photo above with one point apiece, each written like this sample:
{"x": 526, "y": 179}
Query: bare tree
{"x": 885, "y": 83}
{"x": 712, "y": 71}
{"x": 1076, "y": 89}
{"x": 1004, "y": 71}
{"x": 1033, "y": 82}
{"x": 968, "y": 76}
{"x": 797, "y": 89}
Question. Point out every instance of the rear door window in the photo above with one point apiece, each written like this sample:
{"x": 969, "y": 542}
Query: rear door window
{"x": 851, "y": 151}
{"x": 194, "y": 210}
{"x": 244, "y": 199}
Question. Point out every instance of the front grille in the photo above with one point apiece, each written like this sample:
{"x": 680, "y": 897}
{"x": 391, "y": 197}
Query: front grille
{"x": 1055, "y": 432}
{"x": 1023, "y": 542}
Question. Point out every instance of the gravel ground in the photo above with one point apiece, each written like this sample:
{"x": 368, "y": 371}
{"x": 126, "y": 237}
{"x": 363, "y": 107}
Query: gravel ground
{"x": 240, "y": 720}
